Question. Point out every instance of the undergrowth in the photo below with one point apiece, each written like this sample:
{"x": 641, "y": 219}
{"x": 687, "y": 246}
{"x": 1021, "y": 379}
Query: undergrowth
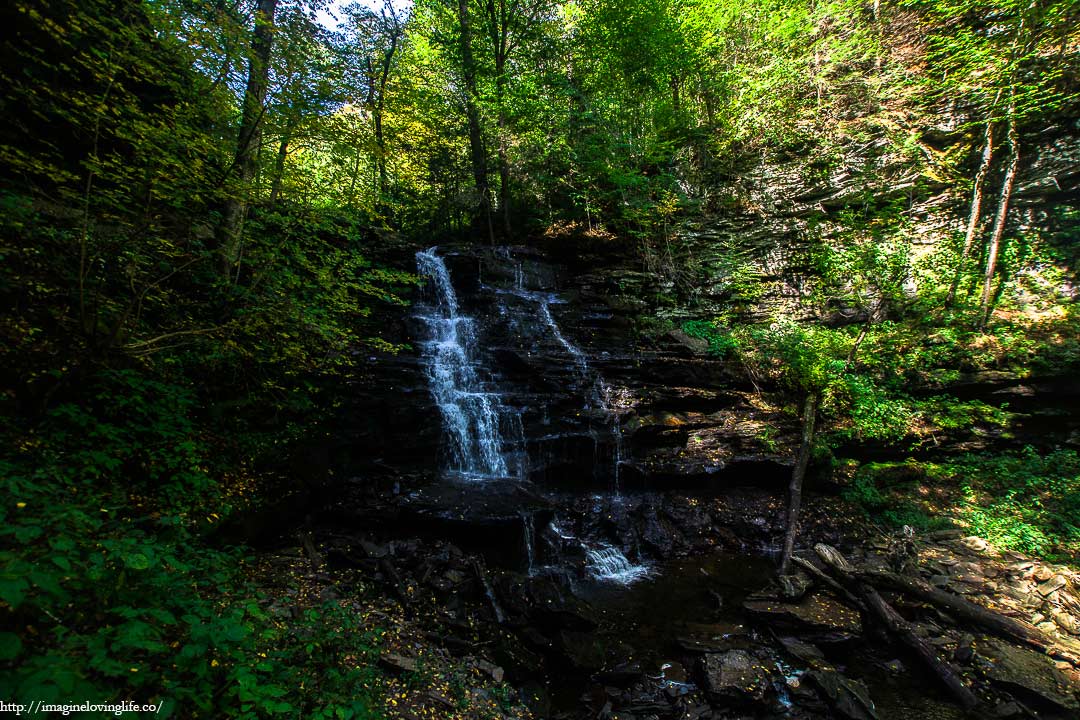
{"x": 1023, "y": 501}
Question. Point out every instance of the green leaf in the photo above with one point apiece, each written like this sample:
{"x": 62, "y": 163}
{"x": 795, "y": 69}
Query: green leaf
{"x": 13, "y": 591}
{"x": 10, "y": 646}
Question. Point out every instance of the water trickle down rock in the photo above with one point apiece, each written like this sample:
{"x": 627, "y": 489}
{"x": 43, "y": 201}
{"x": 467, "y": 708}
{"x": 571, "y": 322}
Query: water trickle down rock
{"x": 608, "y": 564}
{"x": 601, "y": 395}
{"x": 528, "y": 529}
{"x": 471, "y": 415}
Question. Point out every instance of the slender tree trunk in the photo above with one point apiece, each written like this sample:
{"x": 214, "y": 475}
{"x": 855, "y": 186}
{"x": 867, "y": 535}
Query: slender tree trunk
{"x": 975, "y": 212}
{"x": 279, "y": 169}
{"x": 798, "y": 473}
{"x": 380, "y": 139}
{"x": 472, "y": 112}
{"x": 976, "y": 201}
{"x": 279, "y": 162}
{"x": 380, "y": 161}
{"x": 250, "y": 135}
{"x": 504, "y": 162}
{"x": 999, "y": 220}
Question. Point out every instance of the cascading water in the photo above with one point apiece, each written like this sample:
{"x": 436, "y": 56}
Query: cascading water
{"x": 601, "y": 395}
{"x": 610, "y": 565}
{"x": 471, "y": 415}
{"x": 528, "y": 530}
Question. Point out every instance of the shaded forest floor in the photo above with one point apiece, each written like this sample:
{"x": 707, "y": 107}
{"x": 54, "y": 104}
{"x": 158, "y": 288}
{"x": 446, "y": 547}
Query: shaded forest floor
{"x": 447, "y": 635}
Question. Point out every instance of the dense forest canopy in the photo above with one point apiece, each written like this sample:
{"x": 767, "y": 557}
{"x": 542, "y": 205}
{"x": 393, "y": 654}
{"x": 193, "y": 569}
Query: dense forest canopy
{"x": 209, "y": 209}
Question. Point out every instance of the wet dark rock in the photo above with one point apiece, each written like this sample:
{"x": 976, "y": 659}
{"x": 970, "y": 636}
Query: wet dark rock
{"x": 794, "y": 586}
{"x": 735, "y": 675}
{"x": 713, "y": 637}
{"x": 1029, "y": 676}
{"x": 815, "y": 612}
{"x": 849, "y": 698}
{"x": 535, "y": 696}
{"x": 621, "y": 675}
{"x": 804, "y": 652}
{"x": 583, "y": 650}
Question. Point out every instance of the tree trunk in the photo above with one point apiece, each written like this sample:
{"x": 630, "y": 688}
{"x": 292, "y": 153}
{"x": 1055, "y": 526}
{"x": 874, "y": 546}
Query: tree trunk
{"x": 901, "y": 629}
{"x": 960, "y": 608}
{"x": 472, "y": 113}
{"x": 809, "y": 416}
{"x": 976, "y": 210}
{"x": 504, "y": 162}
{"x": 380, "y": 139}
{"x": 279, "y": 164}
{"x": 250, "y": 135}
{"x": 999, "y": 220}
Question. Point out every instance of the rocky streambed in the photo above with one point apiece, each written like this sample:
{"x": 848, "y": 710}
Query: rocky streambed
{"x": 549, "y": 513}
{"x": 704, "y": 633}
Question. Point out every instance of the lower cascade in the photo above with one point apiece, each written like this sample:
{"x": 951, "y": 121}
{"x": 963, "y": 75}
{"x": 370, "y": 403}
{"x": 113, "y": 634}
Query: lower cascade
{"x": 610, "y": 565}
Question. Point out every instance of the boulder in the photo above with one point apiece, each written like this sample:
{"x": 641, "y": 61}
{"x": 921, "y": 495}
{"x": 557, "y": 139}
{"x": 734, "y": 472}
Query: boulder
{"x": 735, "y": 675}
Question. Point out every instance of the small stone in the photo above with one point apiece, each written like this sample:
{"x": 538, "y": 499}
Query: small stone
{"x": 1021, "y": 569}
{"x": 1067, "y": 623}
{"x": 1047, "y": 627}
{"x": 1052, "y": 585}
{"x": 1037, "y": 618}
{"x": 975, "y": 544}
{"x": 733, "y": 675}
{"x": 965, "y": 649}
{"x": 793, "y": 587}
{"x": 895, "y": 667}
{"x": 1006, "y": 710}
{"x": 397, "y": 662}
{"x": 491, "y": 669}
{"x": 939, "y": 580}
{"x": 1043, "y": 573}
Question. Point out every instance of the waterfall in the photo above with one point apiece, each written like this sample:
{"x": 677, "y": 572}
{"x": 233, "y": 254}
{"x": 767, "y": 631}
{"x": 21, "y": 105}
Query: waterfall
{"x": 608, "y": 564}
{"x": 471, "y": 415}
{"x": 607, "y": 394}
{"x": 528, "y": 529}
{"x": 578, "y": 356}
{"x": 602, "y": 395}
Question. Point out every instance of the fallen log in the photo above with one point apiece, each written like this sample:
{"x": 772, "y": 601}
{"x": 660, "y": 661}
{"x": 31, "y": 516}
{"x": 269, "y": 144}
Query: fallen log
{"x": 842, "y": 592}
{"x": 963, "y": 609}
{"x": 900, "y": 628}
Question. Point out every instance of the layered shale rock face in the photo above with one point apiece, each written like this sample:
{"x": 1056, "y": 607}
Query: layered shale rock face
{"x": 748, "y": 253}
{"x": 584, "y": 400}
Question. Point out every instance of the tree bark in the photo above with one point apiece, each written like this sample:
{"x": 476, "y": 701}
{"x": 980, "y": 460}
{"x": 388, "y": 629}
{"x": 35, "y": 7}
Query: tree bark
{"x": 809, "y": 416}
{"x": 279, "y": 163}
{"x": 962, "y": 609}
{"x": 901, "y": 629}
{"x": 504, "y": 161}
{"x": 975, "y": 211}
{"x": 904, "y": 632}
{"x": 250, "y": 135}
{"x": 999, "y": 220}
{"x": 472, "y": 113}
